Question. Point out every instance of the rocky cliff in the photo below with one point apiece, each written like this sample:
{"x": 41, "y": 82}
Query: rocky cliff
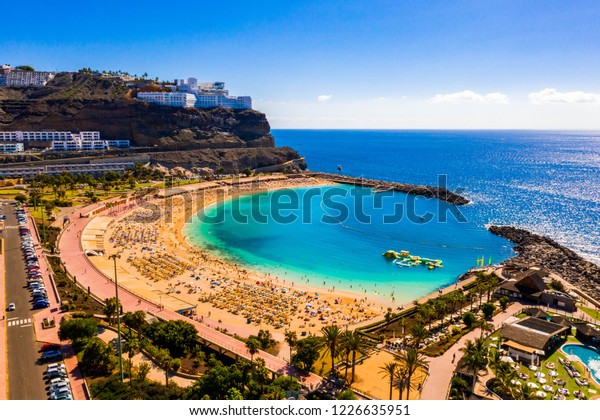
{"x": 78, "y": 102}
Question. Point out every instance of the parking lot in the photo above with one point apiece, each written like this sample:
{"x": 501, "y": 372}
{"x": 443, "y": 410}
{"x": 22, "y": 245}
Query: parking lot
{"x": 26, "y": 294}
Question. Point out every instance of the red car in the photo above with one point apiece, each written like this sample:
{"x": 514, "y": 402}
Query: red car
{"x": 50, "y": 346}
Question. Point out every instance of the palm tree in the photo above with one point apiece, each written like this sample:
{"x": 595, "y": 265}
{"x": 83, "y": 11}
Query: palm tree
{"x": 525, "y": 392}
{"x": 411, "y": 360}
{"x": 389, "y": 370}
{"x": 142, "y": 371}
{"x": 331, "y": 338}
{"x": 480, "y": 289}
{"x": 291, "y": 338}
{"x": 441, "y": 307}
{"x": 475, "y": 356}
{"x": 345, "y": 351}
{"x": 485, "y": 326}
{"x": 131, "y": 347}
{"x": 419, "y": 333}
{"x": 252, "y": 345}
{"x": 165, "y": 361}
{"x": 471, "y": 298}
{"x": 401, "y": 380}
{"x": 426, "y": 312}
{"x": 354, "y": 342}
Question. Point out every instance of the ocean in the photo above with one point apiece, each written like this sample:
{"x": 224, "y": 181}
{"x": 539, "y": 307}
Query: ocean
{"x": 542, "y": 181}
{"x": 545, "y": 181}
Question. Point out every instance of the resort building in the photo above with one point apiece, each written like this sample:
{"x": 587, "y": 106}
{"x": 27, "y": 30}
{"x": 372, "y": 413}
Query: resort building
{"x": 85, "y": 145}
{"x": 89, "y": 168}
{"x": 176, "y": 99}
{"x": 531, "y": 286}
{"x": 18, "y": 78}
{"x": 11, "y": 147}
{"x": 532, "y": 338}
{"x": 65, "y": 140}
{"x": 588, "y": 333}
{"x": 189, "y": 94}
{"x": 22, "y": 136}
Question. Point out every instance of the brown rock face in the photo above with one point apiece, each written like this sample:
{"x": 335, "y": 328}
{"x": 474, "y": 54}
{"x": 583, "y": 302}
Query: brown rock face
{"x": 79, "y": 102}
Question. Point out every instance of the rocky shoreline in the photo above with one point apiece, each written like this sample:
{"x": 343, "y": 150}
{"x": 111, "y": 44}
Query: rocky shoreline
{"x": 540, "y": 251}
{"x": 426, "y": 191}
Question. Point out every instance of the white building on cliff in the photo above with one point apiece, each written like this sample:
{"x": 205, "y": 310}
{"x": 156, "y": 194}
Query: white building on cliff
{"x": 191, "y": 94}
{"x": 20, "y": 78}
{"x": 64, "y": 141}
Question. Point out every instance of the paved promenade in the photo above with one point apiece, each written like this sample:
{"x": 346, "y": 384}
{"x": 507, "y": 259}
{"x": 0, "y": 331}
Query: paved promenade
{"x": 441, "y": 368}
{"x": 50, "y": 335}
{"x": 86, "y": 274}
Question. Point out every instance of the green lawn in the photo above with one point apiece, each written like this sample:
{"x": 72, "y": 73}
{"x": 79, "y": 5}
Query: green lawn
{"x": 11, "y": 191}
{"x": 179, "y": 183}
{"x": 562, "y": 373}
{"x": 571, "y": 385}
{"x": 591, "y": 312}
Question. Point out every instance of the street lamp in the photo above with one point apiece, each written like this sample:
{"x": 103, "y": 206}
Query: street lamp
{"x": 114, "y": 258}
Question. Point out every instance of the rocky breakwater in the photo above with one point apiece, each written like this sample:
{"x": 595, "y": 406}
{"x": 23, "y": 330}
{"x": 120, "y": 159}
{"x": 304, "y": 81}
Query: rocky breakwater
{"x": 537, "y": 250}
{"x": 379, "y": 186}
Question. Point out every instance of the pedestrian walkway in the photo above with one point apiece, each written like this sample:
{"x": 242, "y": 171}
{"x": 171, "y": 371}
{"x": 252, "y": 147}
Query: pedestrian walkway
{"x": 75, "y": 376}
{"x": 441, "y": 368}
{"x": 50, "y": 335}
{"x": 87, "y": 275}
{"x": 16, "y": 322}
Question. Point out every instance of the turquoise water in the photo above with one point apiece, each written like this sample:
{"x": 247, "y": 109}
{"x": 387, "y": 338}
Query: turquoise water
{"x": 588, "y": 355}
{"x": 340, "y": 251}
{"x": 544, "y": 181}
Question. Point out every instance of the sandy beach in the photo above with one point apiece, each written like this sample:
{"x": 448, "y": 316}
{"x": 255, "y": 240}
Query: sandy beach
{"x": 159, "y": 264}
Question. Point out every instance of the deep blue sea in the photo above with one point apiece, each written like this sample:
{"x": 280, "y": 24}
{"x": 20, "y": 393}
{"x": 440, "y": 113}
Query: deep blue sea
{"x": 545, "y": 182}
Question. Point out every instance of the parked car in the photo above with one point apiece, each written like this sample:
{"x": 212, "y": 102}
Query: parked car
{"x": 57, "y": 374}
{"x": 56, "y": 365}
{"x": 54, "y": 370}
{"x": 67, "y": 396}
{"x": 57, "y": 381}
{"x": 51, "y": 354}
{"x": 50, "y": 346}
{"x": 41, "y": 305}
{"x": 61, "y": 391}
{"x": 60, "y": 387}
{"x": 43, "y": 300}
{"x": 11, "y": 307}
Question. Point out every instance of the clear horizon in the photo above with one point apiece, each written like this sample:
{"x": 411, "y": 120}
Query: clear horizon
{"x": 344, "y": 65}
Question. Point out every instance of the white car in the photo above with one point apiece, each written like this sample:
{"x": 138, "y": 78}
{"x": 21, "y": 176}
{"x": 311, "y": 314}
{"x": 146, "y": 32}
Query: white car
{"x": 55, "y": 365}
{"x": 58, "y": 381}
{"x": 11, "y": 307}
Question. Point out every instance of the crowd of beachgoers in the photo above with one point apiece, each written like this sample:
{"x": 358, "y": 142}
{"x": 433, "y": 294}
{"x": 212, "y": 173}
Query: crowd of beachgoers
{"x": 154, "y": 249}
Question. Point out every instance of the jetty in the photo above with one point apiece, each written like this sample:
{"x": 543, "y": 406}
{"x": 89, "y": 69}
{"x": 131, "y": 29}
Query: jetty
{"x": 379, "y": 186}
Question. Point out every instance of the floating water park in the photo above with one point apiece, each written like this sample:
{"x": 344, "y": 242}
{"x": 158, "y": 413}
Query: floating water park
{"x": 404, "y": 259}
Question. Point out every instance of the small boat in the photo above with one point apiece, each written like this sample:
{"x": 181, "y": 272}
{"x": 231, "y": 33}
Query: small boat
{"x": 339, "y": 168}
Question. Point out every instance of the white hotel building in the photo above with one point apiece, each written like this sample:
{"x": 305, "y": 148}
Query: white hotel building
{"x": 18, "y": 78}
{"x": 64, "y": 141}
{"x": 177, "y": 99}
{"x": 7, "y": 148}
{"x": 191, "y": 94}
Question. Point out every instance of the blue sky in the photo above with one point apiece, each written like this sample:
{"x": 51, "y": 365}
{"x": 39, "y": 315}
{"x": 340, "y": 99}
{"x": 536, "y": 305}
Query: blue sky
{"x": 341, "y": 64}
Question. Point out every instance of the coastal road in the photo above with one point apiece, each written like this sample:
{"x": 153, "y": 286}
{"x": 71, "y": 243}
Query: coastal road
{"x": 24, "y": 373}
{"x": 87, "y": 275}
